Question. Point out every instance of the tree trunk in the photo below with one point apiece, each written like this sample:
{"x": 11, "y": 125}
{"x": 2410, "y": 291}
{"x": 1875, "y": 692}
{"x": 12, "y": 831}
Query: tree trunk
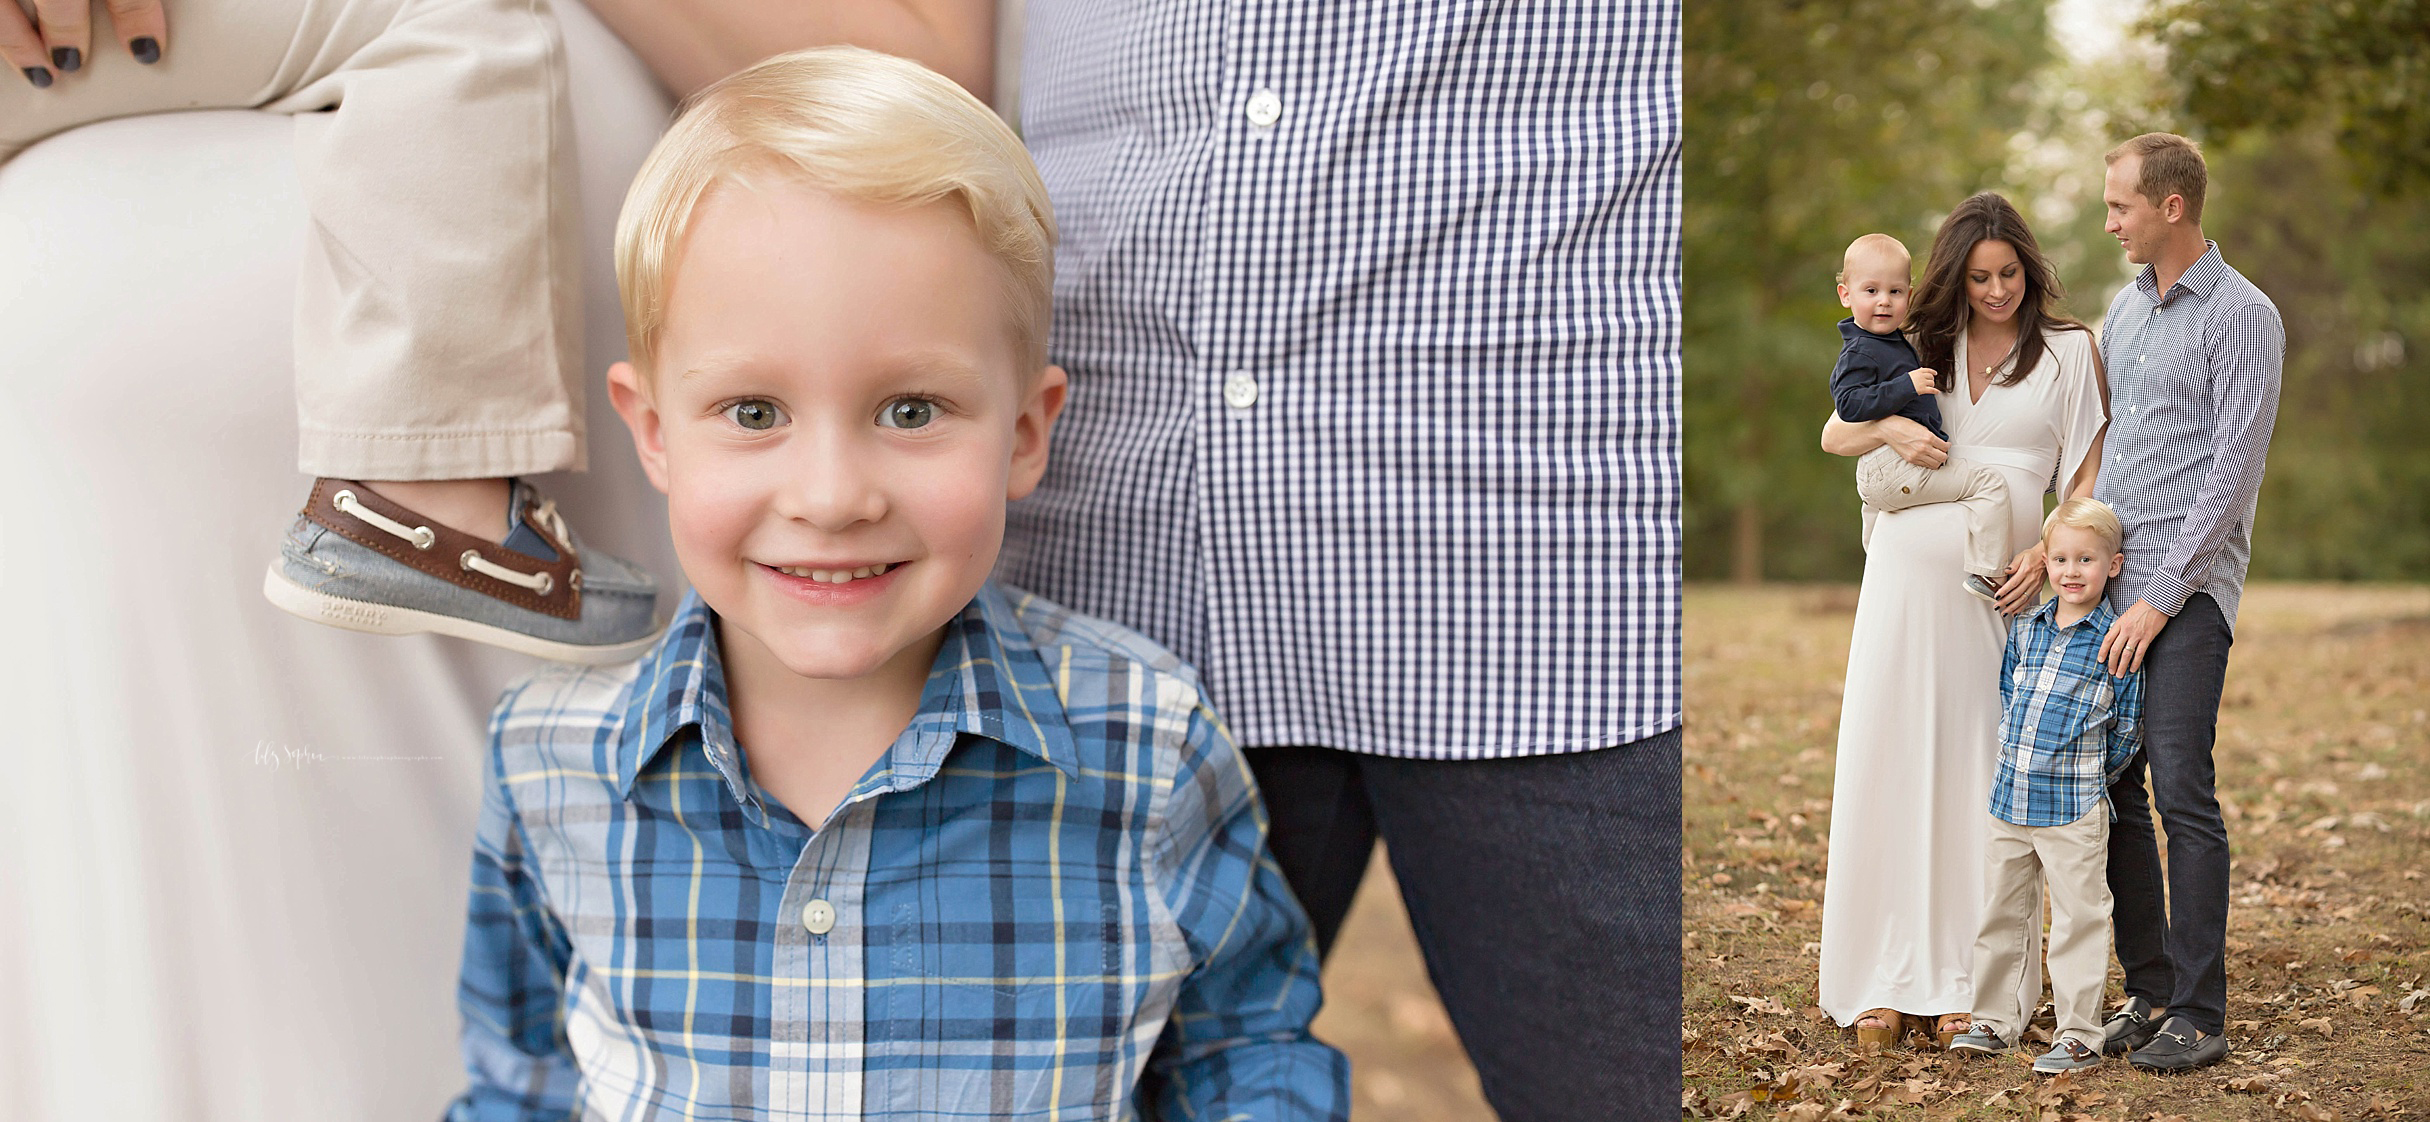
{"x": 1746, "y": 552}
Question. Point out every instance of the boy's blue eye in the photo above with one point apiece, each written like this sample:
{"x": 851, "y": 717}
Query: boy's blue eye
{"x": 755, "y": 414}
{"x": 909, "y": 413}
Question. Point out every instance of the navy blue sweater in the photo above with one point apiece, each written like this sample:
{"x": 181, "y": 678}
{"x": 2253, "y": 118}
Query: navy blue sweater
{"x": 1871, "y": 380}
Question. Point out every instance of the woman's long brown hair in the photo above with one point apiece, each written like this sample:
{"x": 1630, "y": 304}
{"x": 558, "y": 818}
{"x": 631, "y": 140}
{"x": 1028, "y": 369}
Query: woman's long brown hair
{"x": 1940, "y": 301}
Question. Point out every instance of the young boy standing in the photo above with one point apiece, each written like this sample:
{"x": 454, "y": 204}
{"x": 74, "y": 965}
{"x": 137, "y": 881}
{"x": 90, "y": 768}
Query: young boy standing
{"x": 1878, "y": 375}
{"x": 867, "y": 836}
{"x": 2067, "y": 728}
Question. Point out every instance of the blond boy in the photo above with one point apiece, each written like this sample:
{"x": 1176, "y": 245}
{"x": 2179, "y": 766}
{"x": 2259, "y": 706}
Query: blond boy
{"x": 866, "y": 835}
{"x": 1878, "y": 375}
{"x": 2068, "y": 727}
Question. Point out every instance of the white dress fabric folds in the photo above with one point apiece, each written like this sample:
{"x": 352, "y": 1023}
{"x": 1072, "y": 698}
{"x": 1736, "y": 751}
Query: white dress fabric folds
{"x": 1919, "y": 718}
{"x": 234, "y": 845}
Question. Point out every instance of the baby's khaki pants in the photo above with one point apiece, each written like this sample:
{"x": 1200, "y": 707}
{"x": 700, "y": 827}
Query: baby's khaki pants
{"x": 1886, "y": 482}
{"x": 2017, "y": 860}
{"x": 438, "y": 331}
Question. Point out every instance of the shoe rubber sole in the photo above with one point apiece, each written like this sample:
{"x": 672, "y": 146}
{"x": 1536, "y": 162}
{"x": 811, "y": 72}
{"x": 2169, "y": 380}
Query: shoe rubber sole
{"x": 384, "y": 619}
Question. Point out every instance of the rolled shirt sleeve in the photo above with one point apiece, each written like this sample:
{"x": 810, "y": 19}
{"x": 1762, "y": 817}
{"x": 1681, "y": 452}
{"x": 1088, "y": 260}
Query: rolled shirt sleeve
{"x": 1238, "y": 1043}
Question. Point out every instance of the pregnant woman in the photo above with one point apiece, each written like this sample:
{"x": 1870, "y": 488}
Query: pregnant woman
{"x": 2022, "y": 393}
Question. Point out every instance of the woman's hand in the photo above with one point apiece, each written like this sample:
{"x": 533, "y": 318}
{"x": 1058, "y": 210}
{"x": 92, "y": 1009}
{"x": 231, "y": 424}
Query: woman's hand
{"x": 60, "y": 36}
{"x": 2024, "y": 584}
{"x": 1913, "y": 442}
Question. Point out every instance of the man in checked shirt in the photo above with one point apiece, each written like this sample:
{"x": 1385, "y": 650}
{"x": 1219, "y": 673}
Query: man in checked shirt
{"x": 2193, "y": 352}
{"x": 2068, "y": 727}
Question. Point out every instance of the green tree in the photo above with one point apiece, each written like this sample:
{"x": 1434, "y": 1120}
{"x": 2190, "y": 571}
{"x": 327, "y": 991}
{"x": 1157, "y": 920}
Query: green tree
{"x": 1810, "y": 122}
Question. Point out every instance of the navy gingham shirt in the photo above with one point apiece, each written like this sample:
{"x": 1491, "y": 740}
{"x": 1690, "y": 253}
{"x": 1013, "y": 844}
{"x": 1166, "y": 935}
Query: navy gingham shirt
{"x": 1372, "y": 317}
{"x": 1050, "y": 898}
{"x": 2193, "y": 394}
{"x": 2067, "y": 725}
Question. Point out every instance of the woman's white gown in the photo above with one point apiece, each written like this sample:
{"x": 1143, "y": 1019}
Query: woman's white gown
{"x": 1919, "y": 718}
{"x": 233, "y": 845}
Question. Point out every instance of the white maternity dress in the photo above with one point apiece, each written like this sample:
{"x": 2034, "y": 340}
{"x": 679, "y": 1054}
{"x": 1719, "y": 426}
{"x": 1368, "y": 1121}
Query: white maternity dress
{"x": 1919, "y": 718}
{"x": 233, "y": 845}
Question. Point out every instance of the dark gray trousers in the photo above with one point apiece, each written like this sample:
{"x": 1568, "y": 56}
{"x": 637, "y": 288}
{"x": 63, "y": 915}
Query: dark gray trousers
{"x": 2174, "y": 946}
{"x": 1544, "y": 891}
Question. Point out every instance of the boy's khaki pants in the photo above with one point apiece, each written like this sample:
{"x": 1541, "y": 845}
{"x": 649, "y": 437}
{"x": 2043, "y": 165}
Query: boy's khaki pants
{"x": 438, "y": 331}
{"x": 2017, "y": 860}
{"x": 1886, "y": 482}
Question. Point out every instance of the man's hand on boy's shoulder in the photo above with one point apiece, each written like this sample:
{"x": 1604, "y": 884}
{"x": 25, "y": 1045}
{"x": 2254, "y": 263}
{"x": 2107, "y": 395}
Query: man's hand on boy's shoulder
{"x": 2130, "y": 638}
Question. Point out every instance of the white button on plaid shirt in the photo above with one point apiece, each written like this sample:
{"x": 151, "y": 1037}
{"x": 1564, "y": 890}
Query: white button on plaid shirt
{"x": 1372, "y": 317}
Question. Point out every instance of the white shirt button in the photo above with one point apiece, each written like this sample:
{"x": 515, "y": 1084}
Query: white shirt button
{"x": 1240, "y": 390}
{"x": 1264, "y": 108}
{"x": 818, "y": 917}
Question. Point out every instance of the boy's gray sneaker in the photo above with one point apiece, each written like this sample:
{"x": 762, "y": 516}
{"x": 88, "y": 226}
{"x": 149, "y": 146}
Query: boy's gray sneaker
{"x": 1979, "y": 1040}
{"x": 2066, "y": 1055}
{"x": 2129, "y": 1028}
{"x": 356, "y": 560}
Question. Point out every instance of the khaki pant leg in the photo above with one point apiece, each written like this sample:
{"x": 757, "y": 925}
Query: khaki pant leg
{"x": 2008, "y": 938}
{"x": 438, "y": 314}
{"x": 438, "y": 329}
{"x": 1886, "y": 482}
{"x": 2075, "y": 864}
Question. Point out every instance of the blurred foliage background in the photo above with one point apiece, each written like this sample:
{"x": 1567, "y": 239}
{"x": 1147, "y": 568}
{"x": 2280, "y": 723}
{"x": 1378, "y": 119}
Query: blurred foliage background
{"x": 1813, "y": 121}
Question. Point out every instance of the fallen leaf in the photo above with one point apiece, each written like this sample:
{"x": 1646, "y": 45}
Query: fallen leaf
{"x": 1761, "y": 1004}
{"x": 1808, "y": 1111}
{"x": 2362, "y": 997}
{"x": 2312, "y": 1112}
{"x": 2316, "y": 1024}
{"x": 2380, "y": 1106}
{"x": 2261, "y": 1084}
{"x": 1820, "y": 1077}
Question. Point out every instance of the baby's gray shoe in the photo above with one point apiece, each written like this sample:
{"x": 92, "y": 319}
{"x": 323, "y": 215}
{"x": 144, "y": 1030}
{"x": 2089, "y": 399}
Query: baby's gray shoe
{"x": 355, "y": 559}
{"x": 1983, "y": 588}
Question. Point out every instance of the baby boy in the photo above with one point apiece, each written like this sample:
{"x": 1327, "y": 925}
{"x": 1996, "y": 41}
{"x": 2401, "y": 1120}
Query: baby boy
{"x": 1878, "y": 375}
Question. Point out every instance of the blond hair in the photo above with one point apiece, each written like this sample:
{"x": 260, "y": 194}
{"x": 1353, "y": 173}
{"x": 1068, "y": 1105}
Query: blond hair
{"x": 857, "y": 124}
{"x": 2086, "y": 514}
{"x": 2172, "y": 165}
{"x": 1872, "y": 245}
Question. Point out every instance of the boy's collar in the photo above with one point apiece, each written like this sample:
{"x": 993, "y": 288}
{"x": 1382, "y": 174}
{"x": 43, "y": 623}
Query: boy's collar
{"x": 2048, "y": 611}
{"x": 988, "y": 680}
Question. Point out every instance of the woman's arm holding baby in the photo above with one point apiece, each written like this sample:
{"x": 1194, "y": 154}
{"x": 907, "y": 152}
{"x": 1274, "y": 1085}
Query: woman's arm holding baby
{"x": 1913, "y": 442}
{"x": 691, "y": 43}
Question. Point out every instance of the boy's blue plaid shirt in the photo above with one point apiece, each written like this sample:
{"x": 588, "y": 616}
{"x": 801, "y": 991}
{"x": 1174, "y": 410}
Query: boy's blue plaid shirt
{"x": 1049, "y": 899}
{"x": 2067, "y": 726}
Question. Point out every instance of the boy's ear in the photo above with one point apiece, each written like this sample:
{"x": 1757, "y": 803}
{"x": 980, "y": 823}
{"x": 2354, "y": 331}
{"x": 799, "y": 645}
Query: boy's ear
{"x": 1842, "y": 289}
{"x": 1031, "y": 429}
{"x": 633, "y": 403}
{"x": 2117, "y": 564}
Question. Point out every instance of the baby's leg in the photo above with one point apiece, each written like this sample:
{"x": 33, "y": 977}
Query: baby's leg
{"x": 1885, "y": 481}
{"x": 437, "y": 328}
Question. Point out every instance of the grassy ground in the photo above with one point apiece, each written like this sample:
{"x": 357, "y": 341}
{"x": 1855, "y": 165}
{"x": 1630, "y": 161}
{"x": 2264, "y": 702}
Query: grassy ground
{"x": 2323, "y": 737}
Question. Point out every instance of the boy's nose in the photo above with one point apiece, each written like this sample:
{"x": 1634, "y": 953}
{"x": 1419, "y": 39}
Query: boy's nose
{"x": 832, "y": 486}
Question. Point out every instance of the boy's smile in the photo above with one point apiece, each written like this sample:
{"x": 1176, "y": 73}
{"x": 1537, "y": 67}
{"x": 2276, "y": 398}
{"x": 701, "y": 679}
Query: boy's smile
{"x": 838, "y": 414}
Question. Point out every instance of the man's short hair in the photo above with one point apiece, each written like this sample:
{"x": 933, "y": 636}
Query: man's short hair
{"x": 2172, "y": 165}
{"x": 2087, "y": 514}
{"x": 857, "y": 124}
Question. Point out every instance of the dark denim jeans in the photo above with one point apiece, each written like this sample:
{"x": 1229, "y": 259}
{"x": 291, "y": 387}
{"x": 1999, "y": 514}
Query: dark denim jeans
{"x": 1544, "y": 891}
{"x": 2174, "y": 947}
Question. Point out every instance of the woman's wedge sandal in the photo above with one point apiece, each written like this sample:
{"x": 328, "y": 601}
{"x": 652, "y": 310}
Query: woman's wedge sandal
{"x": 1883, "y": 1034}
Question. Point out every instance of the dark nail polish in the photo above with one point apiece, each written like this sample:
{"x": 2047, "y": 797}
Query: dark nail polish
{"x": 68, "y": 59}
{"x": 39, "y": 77}
{"x": 147, "y": 50}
